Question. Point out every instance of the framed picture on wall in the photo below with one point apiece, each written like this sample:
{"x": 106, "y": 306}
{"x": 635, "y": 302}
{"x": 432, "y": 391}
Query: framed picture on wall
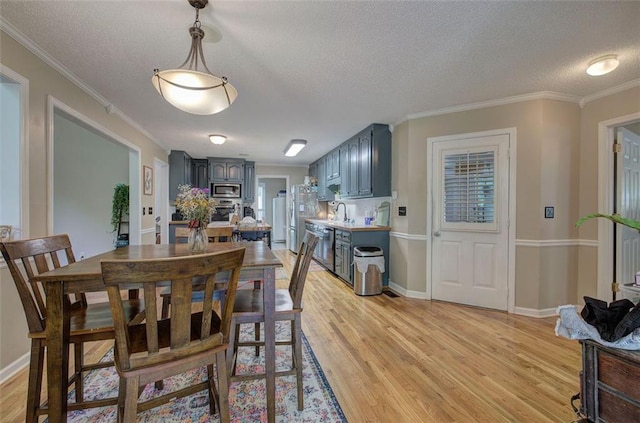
{"x": 147, "y": 178}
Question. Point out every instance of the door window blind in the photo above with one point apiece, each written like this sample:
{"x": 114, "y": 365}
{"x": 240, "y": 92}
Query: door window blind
{"x": 469, "y": 192}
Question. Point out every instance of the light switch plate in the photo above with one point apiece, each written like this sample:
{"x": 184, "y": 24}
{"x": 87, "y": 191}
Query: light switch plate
{"x": 548, "y": 212}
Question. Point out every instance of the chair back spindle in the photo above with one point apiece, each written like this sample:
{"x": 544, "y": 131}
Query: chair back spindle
{"x": 28, "y": 258}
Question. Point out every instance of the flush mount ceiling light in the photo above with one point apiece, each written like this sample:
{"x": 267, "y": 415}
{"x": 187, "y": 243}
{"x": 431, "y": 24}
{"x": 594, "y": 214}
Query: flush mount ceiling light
{"x": 190, "y": 90}
{"x": 603, "y": 65}
{"x": 294, "y": 147}
{"x": 217, "y": 139}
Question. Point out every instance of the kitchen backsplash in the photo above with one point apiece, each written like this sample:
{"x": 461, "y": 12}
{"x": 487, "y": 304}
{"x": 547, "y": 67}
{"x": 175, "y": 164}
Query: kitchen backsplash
{"x": 357, "y": 209}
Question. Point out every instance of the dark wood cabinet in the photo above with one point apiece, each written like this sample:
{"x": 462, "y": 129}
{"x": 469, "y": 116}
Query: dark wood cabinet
{"x": 249, "y": 186}
{"x": 225, "y": 170}
{"x": 609, "y": 384}
{"x": 180, "y": 172}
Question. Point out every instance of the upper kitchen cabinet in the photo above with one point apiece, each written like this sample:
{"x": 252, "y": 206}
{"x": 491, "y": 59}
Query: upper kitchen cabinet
{"x": 200, "y": 173}
{"x": 367, "y": 171}
{"x": 318, "y": 170}
{"x": 249, "y": 186}
{"x": 333, "y": 167}
{"x": 226, "y": 170}
{"x": 180, "y": 172}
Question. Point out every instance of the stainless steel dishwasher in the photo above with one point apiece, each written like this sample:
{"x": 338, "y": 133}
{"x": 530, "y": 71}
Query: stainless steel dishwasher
{"x": 324, "y": 250}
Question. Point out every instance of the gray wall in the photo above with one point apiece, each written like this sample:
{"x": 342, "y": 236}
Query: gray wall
{"x": 87, "y": 167}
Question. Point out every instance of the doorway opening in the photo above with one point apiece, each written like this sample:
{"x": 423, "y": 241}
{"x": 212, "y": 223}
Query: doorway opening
{"x": 273, "y": 204}
{"x": 618, "y": 192}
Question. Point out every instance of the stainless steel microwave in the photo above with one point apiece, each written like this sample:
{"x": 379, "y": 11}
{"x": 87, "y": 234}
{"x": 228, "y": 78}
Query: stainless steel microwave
{"x": 225, "y": 190}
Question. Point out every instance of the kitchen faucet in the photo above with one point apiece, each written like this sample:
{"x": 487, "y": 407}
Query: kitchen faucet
{"x": 345, "y": 210}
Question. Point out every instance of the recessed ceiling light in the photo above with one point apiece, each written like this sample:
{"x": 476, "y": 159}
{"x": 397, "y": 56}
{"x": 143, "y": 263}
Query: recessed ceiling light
{"x": 217, "y": 139}
{"x": 603, "y": 65}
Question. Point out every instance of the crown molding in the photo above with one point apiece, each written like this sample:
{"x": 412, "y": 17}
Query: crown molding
{"x": 609, "y": 91}
{"x": 27, "y": 43}
{"x": 547, "y": 95}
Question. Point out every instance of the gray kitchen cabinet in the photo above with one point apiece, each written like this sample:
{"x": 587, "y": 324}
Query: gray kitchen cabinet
{"x": 342, "y": 258}
{"x": 333, "y": 167}
{"x": 352, "y": 172}
{"x": 226, "y": 170}
{"x": 322, "y": 179}
{"x": 313, "y": 170}
{"x": 346, "y": 240}
{"x": 200, "y": 173}
{"x": 367, "y": 171}
{"x": 180, "y": 172}
{"x": 249, "y": 186}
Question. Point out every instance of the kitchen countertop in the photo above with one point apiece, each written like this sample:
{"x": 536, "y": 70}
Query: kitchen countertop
{"x": 348, "y": 226}
{"x": 261, "y": 227}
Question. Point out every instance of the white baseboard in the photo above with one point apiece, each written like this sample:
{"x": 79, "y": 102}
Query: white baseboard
{"x": 532, "y": 312}
{"x": 406, "y": 293}
{"x": 14, "y": 367}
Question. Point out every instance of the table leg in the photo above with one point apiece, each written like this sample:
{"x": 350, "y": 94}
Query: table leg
{"x": 270, "y": 340}
{"x": 57, "y": 351}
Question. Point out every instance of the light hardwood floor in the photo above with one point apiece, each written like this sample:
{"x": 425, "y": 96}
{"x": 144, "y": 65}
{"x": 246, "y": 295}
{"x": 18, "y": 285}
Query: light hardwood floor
{"x": 406, "y": 360}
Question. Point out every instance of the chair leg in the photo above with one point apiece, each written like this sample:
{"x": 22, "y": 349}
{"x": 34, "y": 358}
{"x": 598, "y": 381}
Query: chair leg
{"x": 223, "y": 387}
{"x": 297, "y": 352}
{"x": 131, "y": 399}
{"x": 78, "y": 363}
{"x": 233, "y": 347}
{"x": 35, "y": 380}
{"x": 213, "y": 392}
{"x": 256, "y": 330}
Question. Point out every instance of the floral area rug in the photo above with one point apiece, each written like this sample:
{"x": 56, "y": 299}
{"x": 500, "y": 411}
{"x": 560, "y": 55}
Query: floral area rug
{"x": 247, "y": 398}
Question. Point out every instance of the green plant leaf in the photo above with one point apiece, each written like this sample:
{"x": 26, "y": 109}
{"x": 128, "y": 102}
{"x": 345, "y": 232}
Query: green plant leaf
{"x": 634, "y": 224}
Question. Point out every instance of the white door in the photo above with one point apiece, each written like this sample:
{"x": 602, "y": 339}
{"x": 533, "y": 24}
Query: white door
{"x": 628, "y": 205}
{"x": 470, "y": 239}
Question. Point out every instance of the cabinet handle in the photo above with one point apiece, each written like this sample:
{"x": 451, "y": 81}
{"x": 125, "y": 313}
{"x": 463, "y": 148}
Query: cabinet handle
{"x": 436, "y": 233}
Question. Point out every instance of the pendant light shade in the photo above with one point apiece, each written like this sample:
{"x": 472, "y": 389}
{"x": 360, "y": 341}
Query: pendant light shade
{"x": 191, "y": 90}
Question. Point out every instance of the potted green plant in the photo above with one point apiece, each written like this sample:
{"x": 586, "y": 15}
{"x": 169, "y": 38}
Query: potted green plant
{"x": 120, "y": 205}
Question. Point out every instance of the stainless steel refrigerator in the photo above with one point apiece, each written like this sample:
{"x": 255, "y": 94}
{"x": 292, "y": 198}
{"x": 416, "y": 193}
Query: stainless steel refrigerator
{"x": 303, "y": 205}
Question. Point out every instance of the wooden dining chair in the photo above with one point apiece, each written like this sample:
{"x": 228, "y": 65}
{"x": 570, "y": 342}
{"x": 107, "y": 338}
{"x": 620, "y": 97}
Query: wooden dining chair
{"x": 248, "y": 308}
{"x": 88, "y": 322}
{"x": 160, "y": 348}
{"x": 215, "y": 234}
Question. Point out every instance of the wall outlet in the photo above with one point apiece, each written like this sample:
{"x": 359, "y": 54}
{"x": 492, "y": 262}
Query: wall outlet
{"x": 150, "y": 211}
{"x": 144, "y": 211}
{"x": 402, "y": 211}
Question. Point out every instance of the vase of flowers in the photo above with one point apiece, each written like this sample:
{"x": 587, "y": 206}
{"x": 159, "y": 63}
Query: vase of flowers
{"x": 197, "y": 207}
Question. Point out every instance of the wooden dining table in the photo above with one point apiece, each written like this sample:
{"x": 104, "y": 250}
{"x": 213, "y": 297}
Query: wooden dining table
{"x": 85, "y": 276}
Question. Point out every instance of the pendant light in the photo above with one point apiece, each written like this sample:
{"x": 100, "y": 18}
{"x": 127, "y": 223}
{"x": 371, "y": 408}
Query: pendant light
{"x": 191, "y": 90}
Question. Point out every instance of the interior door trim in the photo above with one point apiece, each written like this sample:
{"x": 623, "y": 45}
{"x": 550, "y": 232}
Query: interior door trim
{"x": 512, "y": 134}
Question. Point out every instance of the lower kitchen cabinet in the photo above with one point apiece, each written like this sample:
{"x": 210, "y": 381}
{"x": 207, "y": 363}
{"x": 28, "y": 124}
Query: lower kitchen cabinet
{"x": 347, "y": 240}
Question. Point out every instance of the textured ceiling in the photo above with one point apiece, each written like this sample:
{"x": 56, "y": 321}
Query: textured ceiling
{"x": 323, "y": 70}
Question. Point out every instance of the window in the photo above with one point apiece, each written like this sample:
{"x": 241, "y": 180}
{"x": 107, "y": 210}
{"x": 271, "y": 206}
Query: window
{"x": 469, "y": 194}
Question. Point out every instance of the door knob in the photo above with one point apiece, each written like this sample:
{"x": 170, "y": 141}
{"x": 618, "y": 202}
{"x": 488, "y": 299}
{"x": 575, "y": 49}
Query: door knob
{"x": 436, "y": 233}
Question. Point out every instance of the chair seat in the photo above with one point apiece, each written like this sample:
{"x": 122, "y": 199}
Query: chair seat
{"x": 250, "y": 301}
{"x": 94, "y": 320}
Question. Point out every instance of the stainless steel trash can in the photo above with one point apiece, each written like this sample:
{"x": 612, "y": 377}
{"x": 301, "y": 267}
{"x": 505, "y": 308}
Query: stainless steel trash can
{"x": 368, "y": 265}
